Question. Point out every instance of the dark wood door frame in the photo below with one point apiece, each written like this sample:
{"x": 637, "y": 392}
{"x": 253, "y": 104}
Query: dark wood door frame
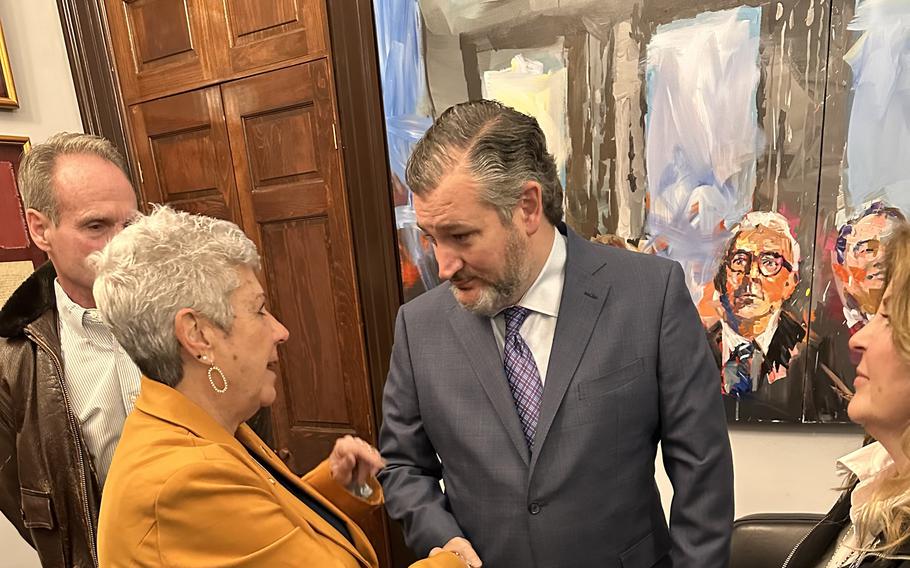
{"x": 85, "y": 33}
{"x": 367, "y": 177}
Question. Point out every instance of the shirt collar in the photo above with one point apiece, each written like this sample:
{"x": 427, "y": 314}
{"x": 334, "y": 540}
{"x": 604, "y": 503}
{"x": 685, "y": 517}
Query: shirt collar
{"x": 731, "y": 339}
{"x": 74, "y": 315}
{"x": 545, "y": 294}
{"x": 867, "y": 464}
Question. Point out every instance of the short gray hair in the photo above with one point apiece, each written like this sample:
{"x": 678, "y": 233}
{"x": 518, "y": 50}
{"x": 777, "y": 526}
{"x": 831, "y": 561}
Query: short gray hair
{"x": 36, "y": 171}
{"x": 500, "y": 147}
{"x": 160, "y": 264}
{"x": 774, "y": 221}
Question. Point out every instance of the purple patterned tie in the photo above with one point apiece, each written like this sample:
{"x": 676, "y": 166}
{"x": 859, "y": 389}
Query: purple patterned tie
{"x": 522, "y": 373}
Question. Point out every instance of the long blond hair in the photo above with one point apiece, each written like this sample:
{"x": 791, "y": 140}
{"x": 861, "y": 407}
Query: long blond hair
{"x": 888, "y": 512}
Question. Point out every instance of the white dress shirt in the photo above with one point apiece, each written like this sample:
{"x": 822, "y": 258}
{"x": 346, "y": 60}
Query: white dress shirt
{"x": 730, "y": 339}
{"x": 542, "y": 298}
{"x": 101, "y": 380}
{"x": 870, "y": 464}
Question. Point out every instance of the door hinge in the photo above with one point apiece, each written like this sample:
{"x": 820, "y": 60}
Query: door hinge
{"x": 334, "y": 136}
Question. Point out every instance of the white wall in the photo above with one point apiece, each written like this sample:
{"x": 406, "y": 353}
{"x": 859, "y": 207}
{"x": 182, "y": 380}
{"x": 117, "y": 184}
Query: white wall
{"x": 47, "y": 104}
{"x": 782, "y": 468}
{"x": 44, "y": 83}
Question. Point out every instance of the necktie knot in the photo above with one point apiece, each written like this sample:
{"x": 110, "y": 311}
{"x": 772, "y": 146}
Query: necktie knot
{"x": 738, "y": 370}
{"x": 515, "y": 316}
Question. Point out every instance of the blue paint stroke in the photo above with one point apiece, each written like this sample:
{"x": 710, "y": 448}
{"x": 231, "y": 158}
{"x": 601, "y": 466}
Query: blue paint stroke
{"x": 702, "y": 136}
{"x": 403, "y": 75}
{"x": 879, "y": 129}
{"x": 402, "y": 67}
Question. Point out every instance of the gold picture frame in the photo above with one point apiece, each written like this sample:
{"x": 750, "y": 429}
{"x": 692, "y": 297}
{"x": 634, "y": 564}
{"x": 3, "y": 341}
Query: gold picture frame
{"x": 18, "y": 145}
{"x": 8, "y": 98}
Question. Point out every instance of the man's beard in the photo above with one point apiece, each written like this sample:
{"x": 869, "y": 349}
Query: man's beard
{"x": 502, "y": 292}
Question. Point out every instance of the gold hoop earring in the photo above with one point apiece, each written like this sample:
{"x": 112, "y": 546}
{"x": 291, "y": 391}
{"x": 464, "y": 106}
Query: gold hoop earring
{"x": 214, "y": 369}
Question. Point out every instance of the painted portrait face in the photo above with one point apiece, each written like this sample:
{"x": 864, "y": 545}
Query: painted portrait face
{"x": 486, "y": 261}
{"x": 863, "y": 272}
{"x": 760, "y": 275}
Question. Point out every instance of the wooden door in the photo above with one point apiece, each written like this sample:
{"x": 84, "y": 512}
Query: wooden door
{"x": 293, "y": 203}
{"x": 160, "y": 46}
{"x": 258, "y": 33}
{"x": 183, "y": 153}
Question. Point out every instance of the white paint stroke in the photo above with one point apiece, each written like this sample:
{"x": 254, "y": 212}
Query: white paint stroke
{"x": 879, "y": 128}
{"x": 526, "y": 87}
{"x": 702, "y": 135}
{"x": 629, "y": 137}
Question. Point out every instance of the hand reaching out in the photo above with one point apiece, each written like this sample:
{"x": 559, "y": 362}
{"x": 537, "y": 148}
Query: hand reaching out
{"x": 353, "y": 462}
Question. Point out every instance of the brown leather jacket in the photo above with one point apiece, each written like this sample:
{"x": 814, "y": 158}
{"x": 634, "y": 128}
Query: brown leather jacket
{"x": 47, "y": 485}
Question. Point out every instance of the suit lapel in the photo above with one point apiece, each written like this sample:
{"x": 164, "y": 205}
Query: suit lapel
{"x": 252, "y": 443}
{"x": 583, "y": 295}
{"x": 476, "y": 336}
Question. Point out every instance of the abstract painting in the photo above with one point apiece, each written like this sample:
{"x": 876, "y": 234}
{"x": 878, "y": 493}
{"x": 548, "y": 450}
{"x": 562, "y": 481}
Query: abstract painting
{"x": 864, "y": 190}
{"x": 754, "y": 143}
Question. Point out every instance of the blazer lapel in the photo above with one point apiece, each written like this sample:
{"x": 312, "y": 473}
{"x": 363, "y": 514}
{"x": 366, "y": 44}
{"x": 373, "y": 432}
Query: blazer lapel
{"x": 583, "y": 295}
{"x": 168, "y": 404}
{"x": 476, "y": 336}
{"x": 252, "y": 443}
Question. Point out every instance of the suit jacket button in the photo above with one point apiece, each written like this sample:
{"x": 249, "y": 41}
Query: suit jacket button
{"x": 534, "y": 508}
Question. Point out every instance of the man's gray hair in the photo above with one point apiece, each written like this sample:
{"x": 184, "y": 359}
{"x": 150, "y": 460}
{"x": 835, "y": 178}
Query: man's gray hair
{"x": 36, "y": 171}
{"x": 774, "y": 221}
{"x": 160, "y": 264}
{"x": 500, "y": 147}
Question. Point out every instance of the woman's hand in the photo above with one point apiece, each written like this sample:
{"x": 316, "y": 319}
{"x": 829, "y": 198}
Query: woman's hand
{"x": 353, "y": 462}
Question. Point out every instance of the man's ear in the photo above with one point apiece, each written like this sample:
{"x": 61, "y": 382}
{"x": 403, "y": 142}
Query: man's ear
{"x": 194, "y": 333}
{"x": 530, "y": 206}
{"x": 38, "y": 224}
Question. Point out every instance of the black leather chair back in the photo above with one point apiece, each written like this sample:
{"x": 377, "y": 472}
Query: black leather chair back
{"x": 764, "y": 540}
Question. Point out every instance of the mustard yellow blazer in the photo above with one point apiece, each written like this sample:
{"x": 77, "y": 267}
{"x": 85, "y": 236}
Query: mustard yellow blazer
{"x": 182, "y": 491}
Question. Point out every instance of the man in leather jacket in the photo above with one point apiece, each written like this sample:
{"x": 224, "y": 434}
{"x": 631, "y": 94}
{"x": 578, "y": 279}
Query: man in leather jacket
{"x": 65, "y": 384}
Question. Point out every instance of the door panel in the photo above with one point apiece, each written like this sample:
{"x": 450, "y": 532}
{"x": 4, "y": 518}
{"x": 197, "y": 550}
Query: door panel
{"x": 159, "y": 45}
{"x": 262, "y": 33}
{"x": 184, "y": 155}
{"x": 303, "y": 290}
{"x": 293, "y": 204}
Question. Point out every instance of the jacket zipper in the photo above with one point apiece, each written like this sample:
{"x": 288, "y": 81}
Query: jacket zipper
{"x": 798, "y": 544}
{"x": 76, "y": 433}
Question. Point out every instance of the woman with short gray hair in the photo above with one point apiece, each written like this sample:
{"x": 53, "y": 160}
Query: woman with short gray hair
{"x": 190, "y": 483}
